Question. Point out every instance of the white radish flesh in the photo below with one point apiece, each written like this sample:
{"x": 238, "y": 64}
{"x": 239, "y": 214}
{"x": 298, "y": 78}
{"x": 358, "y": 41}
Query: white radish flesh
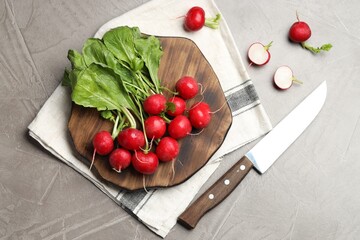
{"x": 258, "y": 54}
{"x": 283, "y": 77}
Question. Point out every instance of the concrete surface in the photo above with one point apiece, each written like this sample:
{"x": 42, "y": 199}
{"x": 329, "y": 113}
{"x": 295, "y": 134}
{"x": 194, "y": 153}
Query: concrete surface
{"x": 311, "y": 192}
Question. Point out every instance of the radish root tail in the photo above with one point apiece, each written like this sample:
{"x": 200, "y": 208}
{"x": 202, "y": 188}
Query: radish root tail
{"x": 180, "y": 17}
{"x": 202, "y": 89}
{"x": 219, "y": 108}
{"x": 144, "y": 184}
{"x": 151, "y": 142}
{"x": 195, "y": 105}
{"x": 117, "y": 170}
{"x": 297, "y": 16}
{"x": 198, "y": 133}
{"x": 93, "y": 159}
{"x": 136, "y": 156}
{"x": 173, "y": 170}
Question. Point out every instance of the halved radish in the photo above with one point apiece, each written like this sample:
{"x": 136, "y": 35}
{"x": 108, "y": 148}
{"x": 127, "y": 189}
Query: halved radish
{"x": 284, "y": 78}
{"x": 259, "y": 54}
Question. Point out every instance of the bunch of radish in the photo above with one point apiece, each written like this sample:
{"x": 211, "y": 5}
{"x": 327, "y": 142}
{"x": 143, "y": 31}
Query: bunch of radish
{"x": 168, "y": 121}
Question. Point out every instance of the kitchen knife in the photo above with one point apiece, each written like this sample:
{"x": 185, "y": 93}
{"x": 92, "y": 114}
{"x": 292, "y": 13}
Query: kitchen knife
{"x": 260, "y": 157}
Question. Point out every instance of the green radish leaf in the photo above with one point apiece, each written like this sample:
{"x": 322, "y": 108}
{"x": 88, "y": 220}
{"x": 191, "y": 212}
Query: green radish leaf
{"x": 66, "y": 79}
{"x": 70, "y": 77}
{"x": 98, "y": 87}
{"x": 151, "y": 52}
{"x": 77, "y": 64}
{"x": 107, "y": 114}
{"x": 137, "y": 64}
{"x": 94, "y": 51}
{"x": 170, "y": 106}
{"x": 120, "y": 41}
{"x": 324, "y": 47}
{"x": 76, "y": 59}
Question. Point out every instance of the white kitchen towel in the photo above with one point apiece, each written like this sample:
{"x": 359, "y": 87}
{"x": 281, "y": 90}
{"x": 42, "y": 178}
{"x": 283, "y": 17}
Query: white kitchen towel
{"x": 158, "y": 209}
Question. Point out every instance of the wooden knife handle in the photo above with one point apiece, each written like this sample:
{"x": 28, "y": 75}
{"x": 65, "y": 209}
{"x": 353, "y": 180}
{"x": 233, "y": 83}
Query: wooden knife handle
{"x": 216, "y": 193}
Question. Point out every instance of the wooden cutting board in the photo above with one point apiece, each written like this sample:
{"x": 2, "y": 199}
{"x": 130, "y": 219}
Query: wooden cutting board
{"x": 181, "y": 57}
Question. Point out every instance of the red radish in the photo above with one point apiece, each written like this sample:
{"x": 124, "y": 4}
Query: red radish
{"x": 179, "y": 106}
{"x": 103, "y": 143}
{"x": 155, "y": 104}
{"x": 300, "y": 32}
{"x": 284, "y": 78}
{"x": 120, "y": 159}
{"x": 259, "y": 54}
{"x": 179, "y": 127}
{"x": 200, "y": 115}
{"x": 145, "y": 163}
{"x": 195, "y": 20}
{"x": 155, "y": 127}
{"x": 187, "y": 87}
{"x": 131, "y": 139}
{"x": 167, "y": 149}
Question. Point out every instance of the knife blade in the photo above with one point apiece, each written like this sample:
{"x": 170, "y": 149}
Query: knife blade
{"x": 260, "y": 157}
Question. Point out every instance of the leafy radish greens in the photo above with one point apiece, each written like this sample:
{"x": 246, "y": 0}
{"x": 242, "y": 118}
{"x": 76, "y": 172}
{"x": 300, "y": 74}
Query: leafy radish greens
{"x": 115, "y": 74}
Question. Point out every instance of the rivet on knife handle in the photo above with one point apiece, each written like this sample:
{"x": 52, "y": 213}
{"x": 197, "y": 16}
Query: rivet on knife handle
{"x": 216, "y": 193}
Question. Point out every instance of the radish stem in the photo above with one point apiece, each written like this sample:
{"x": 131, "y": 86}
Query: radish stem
{"x": 129, "y": 116}
{"x": 170, "y": 91}
{"x": 295, "y": 80}
{"x": 166, "y": 119}
{"x": 266, "y": 47}
{"x": 146, "y": 150}
{"x": 213, "y": 22}
{"x": 315, "y": 50}
{"x": 114, "y": 132}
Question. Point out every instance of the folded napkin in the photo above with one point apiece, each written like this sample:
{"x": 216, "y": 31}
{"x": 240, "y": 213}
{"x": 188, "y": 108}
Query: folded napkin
{"x": 158, "y": 209}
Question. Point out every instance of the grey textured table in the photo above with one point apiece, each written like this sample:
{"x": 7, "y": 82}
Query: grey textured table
{"x": 312, "y": 191}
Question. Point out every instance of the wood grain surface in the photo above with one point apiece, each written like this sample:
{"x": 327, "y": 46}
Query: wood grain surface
{"x": 181, "y": 57}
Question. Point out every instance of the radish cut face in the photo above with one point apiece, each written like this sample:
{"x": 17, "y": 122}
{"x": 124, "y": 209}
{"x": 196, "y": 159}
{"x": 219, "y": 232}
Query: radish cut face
{"x": 283, "y": 77}
{"x": 258, "y": 54}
